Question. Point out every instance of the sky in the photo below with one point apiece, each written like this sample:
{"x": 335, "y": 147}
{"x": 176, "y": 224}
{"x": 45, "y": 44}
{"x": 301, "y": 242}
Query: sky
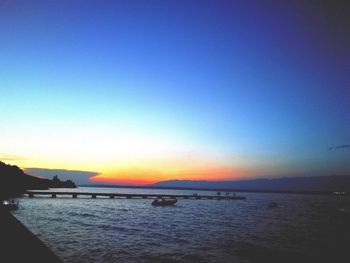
{"x": 137, "y": 92}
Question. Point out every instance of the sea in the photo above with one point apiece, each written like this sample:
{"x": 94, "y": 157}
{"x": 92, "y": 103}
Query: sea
{"x": 301, "y": 228}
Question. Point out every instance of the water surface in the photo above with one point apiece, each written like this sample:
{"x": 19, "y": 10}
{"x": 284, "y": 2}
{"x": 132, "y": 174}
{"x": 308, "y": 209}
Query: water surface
{"x": 302, "y": 227}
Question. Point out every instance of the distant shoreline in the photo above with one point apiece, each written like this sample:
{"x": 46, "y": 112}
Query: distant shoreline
{"x": 213, "y": 190}
{"x": 14, "y": 182}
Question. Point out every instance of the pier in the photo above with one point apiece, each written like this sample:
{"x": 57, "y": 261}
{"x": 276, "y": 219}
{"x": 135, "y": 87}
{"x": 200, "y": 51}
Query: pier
{"x": 93, "y": 195}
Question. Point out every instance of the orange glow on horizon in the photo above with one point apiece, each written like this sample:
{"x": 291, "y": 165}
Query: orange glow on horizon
{"x": 143, "y": 171}
{"x": 143, "y": 177}
{"x": 109, "y": 180}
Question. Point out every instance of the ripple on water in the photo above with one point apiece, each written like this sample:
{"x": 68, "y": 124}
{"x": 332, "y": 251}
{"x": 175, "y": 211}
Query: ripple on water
{"x": 121, "y": 230}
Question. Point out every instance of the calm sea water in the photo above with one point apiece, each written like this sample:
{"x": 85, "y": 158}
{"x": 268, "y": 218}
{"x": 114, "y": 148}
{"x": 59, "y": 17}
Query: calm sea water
{"x": 302, "y": 228}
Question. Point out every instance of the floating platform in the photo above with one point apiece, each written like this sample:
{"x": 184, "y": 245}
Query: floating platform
{"x": 55, "y": 194}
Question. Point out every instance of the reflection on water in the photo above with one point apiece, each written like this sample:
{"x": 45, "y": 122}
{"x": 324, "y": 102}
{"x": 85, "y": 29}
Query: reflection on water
{"x": 301, "y": 227}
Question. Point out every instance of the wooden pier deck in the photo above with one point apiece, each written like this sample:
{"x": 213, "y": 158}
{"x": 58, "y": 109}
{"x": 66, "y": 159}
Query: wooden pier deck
{"x": 55, "y": 194}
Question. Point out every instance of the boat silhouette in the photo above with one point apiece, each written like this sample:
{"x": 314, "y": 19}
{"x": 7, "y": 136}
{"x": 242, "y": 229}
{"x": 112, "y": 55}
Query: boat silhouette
{"x": 164, "y": 201}
{"x": 9, "y": 204}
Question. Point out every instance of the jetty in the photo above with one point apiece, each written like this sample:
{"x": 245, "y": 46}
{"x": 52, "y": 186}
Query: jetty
{"x": 72, "y": 194}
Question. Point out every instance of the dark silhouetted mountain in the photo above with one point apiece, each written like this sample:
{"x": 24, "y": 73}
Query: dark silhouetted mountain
{"x": 13, "y": 181}
{"x": 285, "y": 184}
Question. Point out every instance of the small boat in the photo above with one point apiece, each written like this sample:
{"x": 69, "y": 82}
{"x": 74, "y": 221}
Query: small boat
{"x": 10, "y": 204}
{"x": 164, "y": 201}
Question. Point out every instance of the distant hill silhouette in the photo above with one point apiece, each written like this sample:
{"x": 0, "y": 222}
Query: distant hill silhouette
{"x": 285, "y": 184}
{"x": 13, "y": 181}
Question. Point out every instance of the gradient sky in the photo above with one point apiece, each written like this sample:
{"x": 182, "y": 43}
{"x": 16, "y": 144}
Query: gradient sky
{"x": 142, "y": 91}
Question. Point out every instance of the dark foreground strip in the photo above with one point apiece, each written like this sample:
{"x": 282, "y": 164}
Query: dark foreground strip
{"x": 18, "y": 244}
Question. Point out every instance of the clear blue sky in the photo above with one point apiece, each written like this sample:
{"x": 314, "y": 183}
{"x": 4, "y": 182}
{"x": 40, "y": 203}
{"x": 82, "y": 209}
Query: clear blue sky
{"x": 258, "y": 86}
